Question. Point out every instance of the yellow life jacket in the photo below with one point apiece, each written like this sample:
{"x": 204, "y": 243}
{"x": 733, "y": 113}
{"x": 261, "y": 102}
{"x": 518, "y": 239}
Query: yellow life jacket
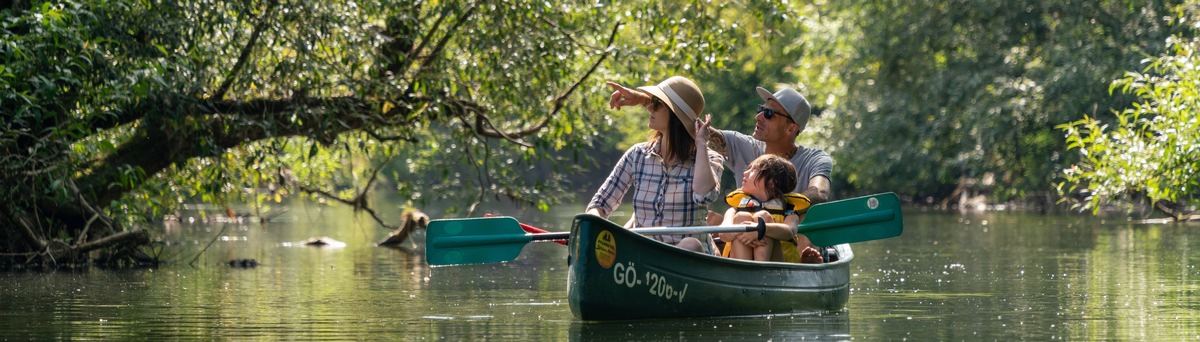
{"x": 779, "y": 208}
{"x": 791, "y": 203}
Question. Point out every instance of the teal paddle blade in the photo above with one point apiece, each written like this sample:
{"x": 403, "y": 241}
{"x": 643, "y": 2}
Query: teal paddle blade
{"x": 474, "y": 240}
{"x": 853, "y": 220}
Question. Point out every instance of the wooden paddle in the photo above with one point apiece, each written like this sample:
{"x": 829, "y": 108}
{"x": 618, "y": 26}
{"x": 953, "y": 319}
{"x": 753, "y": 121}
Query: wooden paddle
{"x": 500, "y": 239}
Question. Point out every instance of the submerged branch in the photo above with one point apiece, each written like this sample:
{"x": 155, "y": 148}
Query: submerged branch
{"x": 136, "y": 234}
{"x": 1176, "y": 214}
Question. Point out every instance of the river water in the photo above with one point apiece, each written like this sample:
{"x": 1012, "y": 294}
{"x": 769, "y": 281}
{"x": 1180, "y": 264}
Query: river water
{"x": 950, "y": 276}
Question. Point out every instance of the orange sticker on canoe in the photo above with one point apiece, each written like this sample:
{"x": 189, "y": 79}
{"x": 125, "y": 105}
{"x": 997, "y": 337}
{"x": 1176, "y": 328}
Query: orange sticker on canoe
{"x": 606, "y": 249}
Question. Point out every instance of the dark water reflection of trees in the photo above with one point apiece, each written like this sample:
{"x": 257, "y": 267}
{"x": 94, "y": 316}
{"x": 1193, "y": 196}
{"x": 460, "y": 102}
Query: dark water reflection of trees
{"x": 949, "y": 277}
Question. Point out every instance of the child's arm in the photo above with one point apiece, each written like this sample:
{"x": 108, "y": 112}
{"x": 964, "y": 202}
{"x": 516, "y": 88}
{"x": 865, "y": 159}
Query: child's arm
{"x": 784, "y": 231}
{"x": 781, "y": 231}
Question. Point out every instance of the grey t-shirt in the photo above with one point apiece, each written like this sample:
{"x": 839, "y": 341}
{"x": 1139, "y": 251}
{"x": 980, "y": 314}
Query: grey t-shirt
{"x": 743, "y": 149}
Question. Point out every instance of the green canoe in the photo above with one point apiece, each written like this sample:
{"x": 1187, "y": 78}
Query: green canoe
{"x": 616, "y": 274}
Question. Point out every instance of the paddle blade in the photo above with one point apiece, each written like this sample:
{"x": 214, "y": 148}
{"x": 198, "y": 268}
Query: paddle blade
{"x": 853, "y": 220}
{"x": 474, "y": 240}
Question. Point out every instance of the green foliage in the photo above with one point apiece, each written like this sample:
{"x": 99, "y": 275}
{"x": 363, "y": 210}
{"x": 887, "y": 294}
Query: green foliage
{"x": 770, "y": 37}
{"x": 127, "y": 109}
{"x": 1153, "y": 148}
{"x": 940, "y": 91}
{"x": 113, "y": 113}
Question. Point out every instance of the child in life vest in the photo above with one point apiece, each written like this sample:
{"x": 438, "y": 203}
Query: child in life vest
{"x": 765, "y": 193}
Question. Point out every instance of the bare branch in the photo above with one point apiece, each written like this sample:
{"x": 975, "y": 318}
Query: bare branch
{"x": 559, "y": 102}
{"x": 375, "y": 176}
{"x": 482, "y": 171}
{"x": 27, "y": 230}
{"x": 570, "y": 36}
{"x": 428, "y": 61}
{"x": 378, "y": 137}
{"x": 425, "y": 39}
{"x": 95, "y": 213}
{"x": 358, "y": 203}
{"x": 612, "y": 37}
{"x": 241, "y": 63}
{"x": 134, "y": 234}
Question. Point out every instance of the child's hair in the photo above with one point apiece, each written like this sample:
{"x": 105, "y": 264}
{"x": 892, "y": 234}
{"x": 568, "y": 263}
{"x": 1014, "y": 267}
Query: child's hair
{"x": 778, "y": 174}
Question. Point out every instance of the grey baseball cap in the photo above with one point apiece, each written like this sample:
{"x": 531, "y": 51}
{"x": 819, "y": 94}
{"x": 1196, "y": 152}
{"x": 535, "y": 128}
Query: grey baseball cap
{"x": 796, "y": 106}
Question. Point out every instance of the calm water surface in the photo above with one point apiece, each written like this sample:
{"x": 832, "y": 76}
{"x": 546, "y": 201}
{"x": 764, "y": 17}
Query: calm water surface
{"x": 990, "y": 276}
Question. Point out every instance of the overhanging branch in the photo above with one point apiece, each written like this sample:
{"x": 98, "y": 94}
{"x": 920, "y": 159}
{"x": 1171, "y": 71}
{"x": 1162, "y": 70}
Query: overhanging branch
{"x": 427, "y": 62}
{"x": 359, "y": 202}
{"x": 245, "y": 55}
{"x": 485, "y": 127}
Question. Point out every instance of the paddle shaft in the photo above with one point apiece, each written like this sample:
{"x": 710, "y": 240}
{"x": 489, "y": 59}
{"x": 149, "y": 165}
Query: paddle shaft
{"x": 483, "y": 240}
{"x": 536, "y": 230}
{"x": 851, "y": 220}
{"x": 499, "y": 239}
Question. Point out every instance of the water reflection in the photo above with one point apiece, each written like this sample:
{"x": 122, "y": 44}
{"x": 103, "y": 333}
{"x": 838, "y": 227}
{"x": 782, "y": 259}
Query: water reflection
{"x": 949, "y": 277}
{"x": 824, "y": 327}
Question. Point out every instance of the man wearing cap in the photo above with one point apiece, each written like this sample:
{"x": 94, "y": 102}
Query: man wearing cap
{"x": 779, "y": 120}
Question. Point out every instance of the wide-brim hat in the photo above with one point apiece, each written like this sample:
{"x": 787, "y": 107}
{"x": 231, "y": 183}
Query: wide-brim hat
{"x": 683, "y": 97}
{"x": 794, "y": 104}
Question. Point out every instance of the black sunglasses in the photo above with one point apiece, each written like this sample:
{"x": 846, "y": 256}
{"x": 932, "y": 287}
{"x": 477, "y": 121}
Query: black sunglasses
{"x": 655, "y": 103}
{"x": 769, "y": 113}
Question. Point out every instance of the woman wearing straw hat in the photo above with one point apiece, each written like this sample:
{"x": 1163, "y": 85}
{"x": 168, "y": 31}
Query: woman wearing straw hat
{"x": 672, "y": 180}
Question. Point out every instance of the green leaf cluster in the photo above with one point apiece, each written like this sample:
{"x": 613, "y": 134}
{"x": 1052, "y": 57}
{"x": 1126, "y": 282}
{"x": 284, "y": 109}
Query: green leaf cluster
{"x": 936, "y": 93}
{"x": 1152, "y": 149}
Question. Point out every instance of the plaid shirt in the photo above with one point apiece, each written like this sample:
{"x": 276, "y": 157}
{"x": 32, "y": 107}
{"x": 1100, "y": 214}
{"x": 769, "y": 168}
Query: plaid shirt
{"x": 662, "y": 197}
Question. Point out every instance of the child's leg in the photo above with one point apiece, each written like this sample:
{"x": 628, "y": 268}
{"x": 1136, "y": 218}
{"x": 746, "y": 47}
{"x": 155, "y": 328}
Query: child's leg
{"x": 762, "y": 252}
{"x": 743, "y": 217}
{"x": 739, "y": 250}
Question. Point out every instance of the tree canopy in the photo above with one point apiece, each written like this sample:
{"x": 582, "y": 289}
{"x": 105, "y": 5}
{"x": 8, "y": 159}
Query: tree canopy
{"x": 936, "y": 92}
{"x": 114, "y": 113}
{"x": 118, "y": 111}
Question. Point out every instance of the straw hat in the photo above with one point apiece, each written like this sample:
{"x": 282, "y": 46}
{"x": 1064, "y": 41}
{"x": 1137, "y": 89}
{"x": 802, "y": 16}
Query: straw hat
{"x": 682, "y": 96}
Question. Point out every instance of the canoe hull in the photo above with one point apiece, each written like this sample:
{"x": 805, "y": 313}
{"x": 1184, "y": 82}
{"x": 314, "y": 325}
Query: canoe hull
{"x": 616, "y": 274}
